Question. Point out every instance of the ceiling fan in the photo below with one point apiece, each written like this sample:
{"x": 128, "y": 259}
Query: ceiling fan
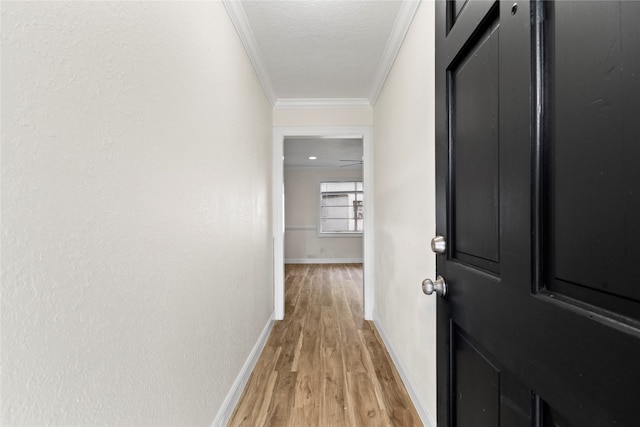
{"x": 353, "y": 162}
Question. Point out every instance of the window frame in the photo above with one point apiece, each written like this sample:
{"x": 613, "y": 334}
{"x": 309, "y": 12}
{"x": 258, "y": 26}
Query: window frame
{"x": 319, "y": 217}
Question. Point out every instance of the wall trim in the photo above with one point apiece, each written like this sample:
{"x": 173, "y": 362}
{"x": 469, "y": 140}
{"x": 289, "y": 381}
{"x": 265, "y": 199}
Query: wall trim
{"x": 230, "y": 402}
{"x": 406, "y": 13}
{"x": 300, "y": 227}
{"x": 320, "y": 103}
{"x": 427, "y": 419}
{"x": 357, "y": 169}
{"x": 323, "y": 260}
{"x": 241, "y": 24}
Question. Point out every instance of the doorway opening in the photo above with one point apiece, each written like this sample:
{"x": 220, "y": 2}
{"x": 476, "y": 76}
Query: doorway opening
{"x": 322, "y": 201}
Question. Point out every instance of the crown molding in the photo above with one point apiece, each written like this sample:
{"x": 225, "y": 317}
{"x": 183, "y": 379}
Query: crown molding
{"x": 320, "y": 103}
{"x": 403, "y": 22}
{"x": 239, "y": 19}
{"x": 400, "y": 28}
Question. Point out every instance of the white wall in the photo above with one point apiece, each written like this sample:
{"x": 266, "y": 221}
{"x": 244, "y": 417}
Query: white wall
{"x": 301, "y": 211}
{"x": 136, "y": 212}
{"x": 353, "y": 116}
{"x": 405, "y": 207}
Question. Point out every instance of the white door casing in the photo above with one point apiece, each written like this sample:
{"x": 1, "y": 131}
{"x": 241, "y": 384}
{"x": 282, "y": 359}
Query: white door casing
{"x": 279, "y": 134}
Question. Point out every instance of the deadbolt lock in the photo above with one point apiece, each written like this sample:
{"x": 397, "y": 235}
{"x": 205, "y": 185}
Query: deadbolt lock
{"x": 439, "y": 244}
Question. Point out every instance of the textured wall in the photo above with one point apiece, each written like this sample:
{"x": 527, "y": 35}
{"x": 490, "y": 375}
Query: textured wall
{"x": 301, "y": 210}
{"x": 323, "y": 117}
{"x": 136, "y": 236}
{"x": 405, "y": 206}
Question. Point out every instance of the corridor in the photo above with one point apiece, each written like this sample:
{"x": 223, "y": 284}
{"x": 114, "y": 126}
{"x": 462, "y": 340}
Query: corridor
{"x": 324, "y": 365}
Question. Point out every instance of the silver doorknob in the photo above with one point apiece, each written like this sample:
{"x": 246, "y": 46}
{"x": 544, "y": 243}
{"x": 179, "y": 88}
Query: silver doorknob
{"x": 439, "y": 244}
{"x": 439, "y": 286}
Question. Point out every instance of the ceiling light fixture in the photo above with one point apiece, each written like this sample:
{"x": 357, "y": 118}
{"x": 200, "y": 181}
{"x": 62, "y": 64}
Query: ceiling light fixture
{"x": 313, "y": 158}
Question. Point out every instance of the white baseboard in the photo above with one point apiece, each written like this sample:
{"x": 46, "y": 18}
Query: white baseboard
{"x": 427, "y": 419}
{"x": 323, "y": 260}
{"x": 230, "y": 402}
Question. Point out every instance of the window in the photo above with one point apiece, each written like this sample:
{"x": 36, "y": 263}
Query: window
{"x": 341, "y": 208}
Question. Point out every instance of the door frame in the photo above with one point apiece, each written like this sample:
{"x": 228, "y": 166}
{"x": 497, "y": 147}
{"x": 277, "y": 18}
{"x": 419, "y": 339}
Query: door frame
{"x": 279, "y": 134}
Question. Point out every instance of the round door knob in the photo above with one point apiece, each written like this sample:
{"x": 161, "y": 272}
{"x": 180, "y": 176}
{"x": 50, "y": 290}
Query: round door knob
{"x": 439, "y": 244}
{"x": 439, "y": 286}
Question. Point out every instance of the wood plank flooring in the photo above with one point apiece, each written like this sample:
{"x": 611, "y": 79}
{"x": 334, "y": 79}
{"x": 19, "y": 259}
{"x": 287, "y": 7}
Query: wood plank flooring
{"x": 324, "y": 365}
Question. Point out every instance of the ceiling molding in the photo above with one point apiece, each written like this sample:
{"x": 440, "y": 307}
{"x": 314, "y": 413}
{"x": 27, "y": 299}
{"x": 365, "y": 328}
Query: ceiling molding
{"x": 320, "y": 103}
{"x": 401, "y": 27}
{"x": 357, "y": 170}
{"x": 403, "y": 21}
{"x": 240, "y": 22}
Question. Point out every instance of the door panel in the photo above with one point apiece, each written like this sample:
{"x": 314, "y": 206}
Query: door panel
{"x": 515, "y": 403}
{"x": 473, "y": 81}
{"x": 456, "y": 7}
{"x": 595, "y": 95}
{"x": 551, "y": 417}
{"x": 485, "y": 393}
{"x": 538, "y": 195}
{"x": 476, "y": 385}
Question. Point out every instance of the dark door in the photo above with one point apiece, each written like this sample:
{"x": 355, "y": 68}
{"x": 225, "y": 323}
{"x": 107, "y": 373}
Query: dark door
{"x": 538, "y": 197}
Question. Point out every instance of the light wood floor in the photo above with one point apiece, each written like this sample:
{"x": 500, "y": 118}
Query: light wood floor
{"x": 324, "y": 365}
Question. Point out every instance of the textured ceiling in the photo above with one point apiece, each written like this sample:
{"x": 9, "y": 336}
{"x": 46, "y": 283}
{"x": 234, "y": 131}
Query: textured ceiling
{"x": 322, "y": 49}
{"x": 329, "y": 152}
{"x": 322, "y": 52}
